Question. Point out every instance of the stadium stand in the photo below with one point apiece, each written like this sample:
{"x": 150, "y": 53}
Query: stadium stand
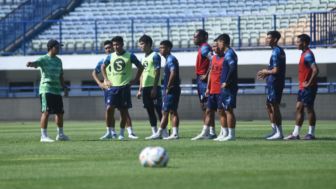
{"x": 8, "y": 6}
{"x": 247, "y": 21}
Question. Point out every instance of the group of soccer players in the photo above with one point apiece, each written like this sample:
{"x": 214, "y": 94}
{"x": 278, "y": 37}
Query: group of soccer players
{"x": 217, "y": 84}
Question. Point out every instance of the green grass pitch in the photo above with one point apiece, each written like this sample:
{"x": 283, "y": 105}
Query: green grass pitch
{"x": 86, "y": 162}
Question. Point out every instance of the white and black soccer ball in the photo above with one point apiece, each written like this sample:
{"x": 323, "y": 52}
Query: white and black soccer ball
{"x": 154, "y": 157}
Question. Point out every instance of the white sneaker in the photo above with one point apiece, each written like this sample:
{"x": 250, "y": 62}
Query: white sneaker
{"x": 46, "y": 139}
{"x": 106, "y": 136}
{"x": 172, "y": 137}
{"x": 62, "y": 138}
{"x": 228, "y": 138}
{"x": 276, "y": 136}
{"x": 121, "y": 137}
{"x": 132, "y": 136}
{"x": 155, "y": 136}
{"x": 202, "y": 135}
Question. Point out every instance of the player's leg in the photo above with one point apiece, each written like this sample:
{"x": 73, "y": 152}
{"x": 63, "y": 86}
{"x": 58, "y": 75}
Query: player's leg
{"x": 125, "y": 116}
{"x": 231, "y": 123}
{"x": 277, "y": 119}
{"x": 44, "y": 118}
{"x": 109, "y": 115}
{"x": 163, "y": 126}
{"x": 311, "y": 112}
{"x": 175, "y": 122}
{"x": 60, "y": 132}
{"x": 224, "y": 127}
{"x": 270, "y": 116}
{"x": 211, "y": 106}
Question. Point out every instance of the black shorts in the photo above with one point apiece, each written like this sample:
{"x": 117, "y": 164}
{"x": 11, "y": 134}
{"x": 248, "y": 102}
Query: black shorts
{"x": 51, "y": 103}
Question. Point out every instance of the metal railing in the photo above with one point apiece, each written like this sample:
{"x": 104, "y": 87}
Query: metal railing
{"x": 186, "y": 89}
{"x": 246, "y": 31}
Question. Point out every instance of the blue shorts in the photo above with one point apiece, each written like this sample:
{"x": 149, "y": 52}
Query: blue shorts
{"x": 274, "y": 93}
{"x": 307, "y": 96}
{"x": 229, "y": 98}
{"x": 148, "y": 101}
{"x": 214, "y": 102}
{"x": 201, "y": 88}
{"x": 171, "y": 100}
{"x": 118, "y": 97}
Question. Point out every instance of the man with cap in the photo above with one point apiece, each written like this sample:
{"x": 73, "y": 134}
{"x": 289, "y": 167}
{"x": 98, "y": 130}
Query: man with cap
{"x": 51, "y": 86}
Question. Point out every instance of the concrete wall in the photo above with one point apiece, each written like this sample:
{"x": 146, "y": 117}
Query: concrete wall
{"x": 249, "y": 107}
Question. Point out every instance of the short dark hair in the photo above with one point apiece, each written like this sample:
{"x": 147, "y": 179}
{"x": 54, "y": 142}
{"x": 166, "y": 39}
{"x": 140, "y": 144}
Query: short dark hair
{"x": 52, "y": 43}
{"x": 167, "y": 43}
{"x": 224, "y": 37}
{"x": 202, "y": 33}
{"x": 117, "y": 39}
{"x": 304, "y": 38}
{"x": 275, "y": 34}
{"x": 107, "y": 42}
{"x": 146, "y": 39}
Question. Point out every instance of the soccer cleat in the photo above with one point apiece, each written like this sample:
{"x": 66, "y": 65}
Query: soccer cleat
{"x": 309, "y": 137}
{"x": 276, "y": 136}
{"x": 132, "y": 136}
{"x": 106, "y": 136}
{"x": 292, "y": 137}
{"x": 211, "y": 136}
{"x": 114, "y": 136}
{"x": 172, "y": 137}
{"x": 220, "y": 137}
{"x": 121, "y": 137}
{"x": 155, "y": 136}
{"x": 201, "y": 136}
{"x": 228, "y": 138}
{"x": 46, "y": 139}
{"x": 62, "y": 138}
{"x": 270, "y": 134}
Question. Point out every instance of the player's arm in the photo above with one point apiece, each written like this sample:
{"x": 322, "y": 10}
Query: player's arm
{"x": 157, "y": 65}
{"x": 265, "y": 72}
{"x": 206, "y": 53}
{"x": 137, "y": 63}
{"x": 140, "y": 88}
{"x": 95, "y": 77}
{"x": 315, "y": 71}
{"x": 171, "y": 78}
{"x": 232, "y": 68}
{"x": 209, "y": 82}
{"x": 107, "y": 83}
{"x": 32, "y": 64}
{"x": 64, "y": 86}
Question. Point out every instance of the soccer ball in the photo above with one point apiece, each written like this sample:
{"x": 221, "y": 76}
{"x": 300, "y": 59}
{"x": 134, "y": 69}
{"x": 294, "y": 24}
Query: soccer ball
{"x": 153, "y": 157}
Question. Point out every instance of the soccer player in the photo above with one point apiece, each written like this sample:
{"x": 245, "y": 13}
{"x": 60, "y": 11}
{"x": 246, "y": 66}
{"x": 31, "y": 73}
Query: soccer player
{"x": 109, "y": 118}
{"x": 172, "y": 92}
{"x": 202, "y": 71}
{"x": 150, "y": 87}
{"x": 51, "y": 86}
{"x": 308, "y": 72}
{"x": 275, "y": 79}
{"x": 229, "y": 88}
{"x": 213, "y": 91}
{"x": 117, "y": 73}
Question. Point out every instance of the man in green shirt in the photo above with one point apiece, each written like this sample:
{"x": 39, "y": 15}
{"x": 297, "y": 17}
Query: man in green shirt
{"x": 51, "y": 86}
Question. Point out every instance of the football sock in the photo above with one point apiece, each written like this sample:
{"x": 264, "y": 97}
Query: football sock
{"x": 129, "y": 130}
{"x": 232, "y": 132}
{"x": 109, "y": 129}
{"x": 311, "y": 130}
{"x": 279, "y": 129}
{"x": 60, "y": 130}
{"x": 296, "y": 131}
{"x": 175, "y": 130}
{"x": 224, "y": 131}
{"x": 44, "y": 133}
{"x": 205, "y": 128}
{"x": 154, "y": 129}
{"x": 122, "y": 130}
{"x": 212, "y": 131}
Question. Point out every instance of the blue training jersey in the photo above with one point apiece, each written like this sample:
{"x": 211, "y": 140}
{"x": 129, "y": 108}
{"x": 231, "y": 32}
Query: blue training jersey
{"x": 278, "y": 59}
{"x": 171, "y": 65}
{"x": 230, "y": 69}
{"x": 98, "y": 66}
